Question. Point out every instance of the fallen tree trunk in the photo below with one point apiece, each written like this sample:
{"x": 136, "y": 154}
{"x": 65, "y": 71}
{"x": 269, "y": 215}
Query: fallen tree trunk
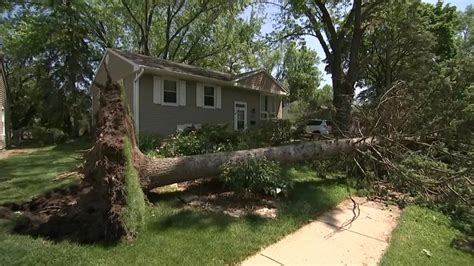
{"x": 119, "y": 172}
{"x": 165, "y": 171}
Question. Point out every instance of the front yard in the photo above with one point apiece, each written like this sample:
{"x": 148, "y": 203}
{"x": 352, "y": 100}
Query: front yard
{"x": 423, "y": 237}
{"x": 176, "y": 234}
{"x": 173, "y": 234}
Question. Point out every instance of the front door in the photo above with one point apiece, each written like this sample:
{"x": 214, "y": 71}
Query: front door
{"x": 240, "y": 115}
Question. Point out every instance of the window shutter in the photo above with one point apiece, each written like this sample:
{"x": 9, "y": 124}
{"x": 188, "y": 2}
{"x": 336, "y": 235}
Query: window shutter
{"x": 199, "y": 95}
{"x": 182, "y": 92}
{"x": 157, "y": 90}
{"x": 218, "y": 97}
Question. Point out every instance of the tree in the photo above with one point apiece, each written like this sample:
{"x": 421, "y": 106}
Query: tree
{"x": 300, "y": 72}
{"x": 467, "y": 32}
{"x": 49, "y": 58}
{"x": 54, "y": 48}
{"x": 398, "y": 47}
{"x": 194, "y": 32}
{"x": 339, "y": 28}
{"x": 443, "y": 23}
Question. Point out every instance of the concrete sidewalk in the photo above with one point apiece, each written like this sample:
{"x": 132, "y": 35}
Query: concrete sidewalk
{"x": 325, "y": 241}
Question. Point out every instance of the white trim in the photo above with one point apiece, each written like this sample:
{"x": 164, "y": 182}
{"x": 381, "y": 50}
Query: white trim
{"x": 269, "y": 114}
{"x": 219, "y": 97}
{"x": 157, "y": 94}
{"x": 235, "y": 114}
{"x": 182, "y": 88}
{"x": 163, "y": 91}
{"x": 3, "y": 123}
{"x": 136, "y": 99}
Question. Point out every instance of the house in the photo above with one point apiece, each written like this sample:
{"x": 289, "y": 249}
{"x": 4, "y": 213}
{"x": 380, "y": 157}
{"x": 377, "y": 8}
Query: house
{"x": 165, "y": 96}
{"x": 4, "y": 125}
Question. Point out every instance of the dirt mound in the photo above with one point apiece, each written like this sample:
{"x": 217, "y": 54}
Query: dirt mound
{"x": 61, "y": 214}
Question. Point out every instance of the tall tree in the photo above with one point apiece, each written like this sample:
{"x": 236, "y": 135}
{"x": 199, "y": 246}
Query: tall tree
{"x": 398, "y": 47}
{"x": 49, "y": 59}
{"x": 339, "y": 28}
{"x": 467, "y": 32}
{"x": 182, "y": 30}
{"x": 443, "y": 23}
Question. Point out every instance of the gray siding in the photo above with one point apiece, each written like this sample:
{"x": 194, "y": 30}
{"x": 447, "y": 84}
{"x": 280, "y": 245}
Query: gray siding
{"x": 161, "y": 119}
{"x": 128, "y": 84}
{"x": 118, "y": 69}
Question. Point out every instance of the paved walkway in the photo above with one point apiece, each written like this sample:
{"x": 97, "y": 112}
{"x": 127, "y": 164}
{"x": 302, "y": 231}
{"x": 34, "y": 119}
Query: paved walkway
{"x": 325, "y": 241}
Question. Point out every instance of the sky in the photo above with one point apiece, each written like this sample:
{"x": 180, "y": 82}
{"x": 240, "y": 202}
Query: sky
{"x": 313, "y": 43}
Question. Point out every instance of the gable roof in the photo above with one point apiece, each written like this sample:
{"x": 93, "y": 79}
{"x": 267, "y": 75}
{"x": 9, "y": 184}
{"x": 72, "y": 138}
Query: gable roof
{"x": 163, "y": 64}
{"x": 180, "y": 68}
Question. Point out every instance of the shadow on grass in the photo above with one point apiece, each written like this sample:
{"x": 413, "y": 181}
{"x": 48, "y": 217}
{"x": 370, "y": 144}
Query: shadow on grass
{"x": 25, "y": 176}
{"x": 307, "y": 200}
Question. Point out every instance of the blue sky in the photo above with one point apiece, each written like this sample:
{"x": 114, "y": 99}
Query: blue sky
{"x": 314, "y": 44}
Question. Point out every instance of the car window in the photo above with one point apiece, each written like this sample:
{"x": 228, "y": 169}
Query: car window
{"x": 315, "y": 122}
{"x": 329, "y": 123}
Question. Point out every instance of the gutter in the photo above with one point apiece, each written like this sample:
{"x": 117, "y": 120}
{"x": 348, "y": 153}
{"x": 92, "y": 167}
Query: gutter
{"x": 136, "y": 96}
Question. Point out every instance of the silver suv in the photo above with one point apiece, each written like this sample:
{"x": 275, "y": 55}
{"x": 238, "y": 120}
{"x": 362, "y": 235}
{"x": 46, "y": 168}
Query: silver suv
{"x": 318, "y": 126}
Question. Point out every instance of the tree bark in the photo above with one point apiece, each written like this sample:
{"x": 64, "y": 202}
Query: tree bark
{"x": 344, "y": 69}
{"x": 165, "y": 171}
{"x": 119, "y": 172}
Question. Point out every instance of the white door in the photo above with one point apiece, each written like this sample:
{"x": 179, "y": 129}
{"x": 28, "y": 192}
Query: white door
{"x": 240, "y": 115}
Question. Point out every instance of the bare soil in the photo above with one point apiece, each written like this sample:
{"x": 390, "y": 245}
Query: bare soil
{"x": 61, "y": 214}
{"x": 211, "y": 195}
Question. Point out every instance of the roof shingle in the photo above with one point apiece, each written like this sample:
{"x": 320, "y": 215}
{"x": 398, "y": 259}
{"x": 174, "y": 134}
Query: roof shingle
{"x": 173, "y": 66}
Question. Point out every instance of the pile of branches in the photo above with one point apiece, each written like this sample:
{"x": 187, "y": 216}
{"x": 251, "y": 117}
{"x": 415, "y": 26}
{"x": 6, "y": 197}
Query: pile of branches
{"x": 421, "y": 156}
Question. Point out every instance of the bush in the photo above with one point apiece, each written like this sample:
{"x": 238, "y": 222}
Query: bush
{"x": 256, "y": 175}
{"x": 149, "y": 142}
{"x": 276, "y": 132}
{"x": 42, "y": 135}
{"x": 270, "y": 133}
{"x": 208, "y": 139}
{"x": 216, "y": 138}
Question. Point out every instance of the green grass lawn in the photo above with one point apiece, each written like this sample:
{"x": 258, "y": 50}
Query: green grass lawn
{"x": 172, "y": 235}
{"x": 25, "y": 176}
{"x": 420, "y": 228}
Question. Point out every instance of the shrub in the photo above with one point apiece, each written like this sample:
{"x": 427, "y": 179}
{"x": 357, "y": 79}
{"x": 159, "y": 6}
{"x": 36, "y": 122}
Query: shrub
{"x": 270, "y": 133}
{"x": 208, "y": 139}
{"x": 43, "y": 136}
{"x": 149, "y": 142}
{"x": 256, "y": 175}
{"x": 180, "y": 144}
{"x": 276, "y": 132}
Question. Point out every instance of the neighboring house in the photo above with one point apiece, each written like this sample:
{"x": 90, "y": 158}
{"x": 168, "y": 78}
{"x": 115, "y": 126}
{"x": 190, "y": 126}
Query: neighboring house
{"x": 4, "y": 117}
{"x": 165, "y": 96}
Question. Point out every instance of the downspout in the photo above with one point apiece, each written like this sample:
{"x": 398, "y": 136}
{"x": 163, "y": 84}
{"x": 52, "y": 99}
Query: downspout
{"x": 136, "y": 97}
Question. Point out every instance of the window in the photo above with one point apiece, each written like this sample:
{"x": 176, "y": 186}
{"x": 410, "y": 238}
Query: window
{"x": 170, "y": 92}
{"x": 209, "y": 98}
{"x": 267, "y": 107}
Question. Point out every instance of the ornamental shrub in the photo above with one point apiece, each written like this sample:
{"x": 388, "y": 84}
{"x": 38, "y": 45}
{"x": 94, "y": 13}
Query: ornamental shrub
{"x": 256, "y": 176}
